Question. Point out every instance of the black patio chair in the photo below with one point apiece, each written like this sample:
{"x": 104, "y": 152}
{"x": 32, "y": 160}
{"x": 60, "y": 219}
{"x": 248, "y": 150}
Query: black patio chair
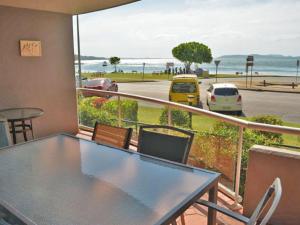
{"x": 274, "y": 191}
{"x": 165, "y": 145}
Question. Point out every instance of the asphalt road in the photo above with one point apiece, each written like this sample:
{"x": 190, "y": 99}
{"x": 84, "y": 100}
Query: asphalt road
{"x": 285, "y": 105}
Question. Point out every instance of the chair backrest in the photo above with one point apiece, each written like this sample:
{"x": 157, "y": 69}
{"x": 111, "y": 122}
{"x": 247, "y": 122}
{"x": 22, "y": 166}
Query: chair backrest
{"x": 115, "y": 136}
{"x": 5, "y": 138}
{"x": 274, "y": 192}
{"x": 166, "y": 146}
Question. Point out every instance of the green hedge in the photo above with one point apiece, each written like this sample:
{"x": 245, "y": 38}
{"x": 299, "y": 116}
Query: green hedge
{"x": 179, "y": 118}
{"x": 251, "y": 137}
{"x": 99, "y": 109}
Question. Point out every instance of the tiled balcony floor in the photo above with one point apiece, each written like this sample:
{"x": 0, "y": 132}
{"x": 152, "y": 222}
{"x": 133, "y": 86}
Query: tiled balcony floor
{"x": 194, "y": 216}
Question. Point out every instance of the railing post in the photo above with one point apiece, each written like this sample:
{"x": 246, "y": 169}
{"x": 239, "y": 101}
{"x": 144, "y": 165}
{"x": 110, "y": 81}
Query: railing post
{"x": 169, "y": 116}
{"x": 238, "y": 167}
{"x": 119, "y": 112}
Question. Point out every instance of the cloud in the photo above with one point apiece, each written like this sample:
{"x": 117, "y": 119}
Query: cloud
{"x": 152, "y": 28}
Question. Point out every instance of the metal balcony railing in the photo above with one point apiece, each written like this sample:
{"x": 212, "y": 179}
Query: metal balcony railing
{"x": 242, "y": 124}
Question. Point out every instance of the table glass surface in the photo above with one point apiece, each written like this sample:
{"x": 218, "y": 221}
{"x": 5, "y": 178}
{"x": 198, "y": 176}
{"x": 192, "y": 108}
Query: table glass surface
{"x": 21, "y": 113}
{"x": 63, "y": 180}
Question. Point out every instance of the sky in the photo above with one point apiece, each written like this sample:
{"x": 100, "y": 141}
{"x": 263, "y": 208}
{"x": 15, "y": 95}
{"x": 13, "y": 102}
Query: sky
{"x": 151, "y": 28}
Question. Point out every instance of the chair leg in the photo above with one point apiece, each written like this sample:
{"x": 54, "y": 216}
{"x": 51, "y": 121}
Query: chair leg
{"x": 31, "y": 128}
{"x": 182, "y": 219}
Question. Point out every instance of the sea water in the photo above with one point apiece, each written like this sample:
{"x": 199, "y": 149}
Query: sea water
{"x": 263, "y": 65}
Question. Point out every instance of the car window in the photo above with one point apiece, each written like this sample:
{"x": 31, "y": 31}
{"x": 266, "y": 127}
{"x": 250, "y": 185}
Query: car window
{"x": 95, "y": 82}
{"x": 184, "y": 87}
{"x": 226, "y": 91}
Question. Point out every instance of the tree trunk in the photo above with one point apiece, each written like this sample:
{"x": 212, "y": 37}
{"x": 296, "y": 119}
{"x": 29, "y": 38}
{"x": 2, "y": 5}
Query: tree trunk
{"x": 188, "y": 67}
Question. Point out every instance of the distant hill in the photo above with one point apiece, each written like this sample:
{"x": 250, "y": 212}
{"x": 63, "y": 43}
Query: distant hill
{"x": 258, "y": 56}
{"x": 84, "y": 57}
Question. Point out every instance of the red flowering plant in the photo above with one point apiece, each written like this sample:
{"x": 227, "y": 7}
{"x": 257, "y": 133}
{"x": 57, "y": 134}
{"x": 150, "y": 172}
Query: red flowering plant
{"x": 98, "y": 102}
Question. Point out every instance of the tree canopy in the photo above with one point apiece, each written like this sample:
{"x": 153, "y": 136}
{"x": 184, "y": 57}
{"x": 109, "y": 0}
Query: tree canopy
{"x": 114, "y": 61}
{"x": 192, "y": 52}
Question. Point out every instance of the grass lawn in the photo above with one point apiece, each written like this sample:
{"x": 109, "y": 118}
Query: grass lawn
{"x": 137, "y": 77}
{"x": 292, "y": 140}
{"x": 128, "y": 77}
{"x": 151, "y": 115}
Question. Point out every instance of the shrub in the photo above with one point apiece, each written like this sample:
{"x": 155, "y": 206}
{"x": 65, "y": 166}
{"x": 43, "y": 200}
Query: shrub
{"x": 129, "y": 109}
{"x": 214, "y": 151}
{"x": 217, "y": 148}
{"x": 89, "y": 112}
{"x": 273, "y": 120}
{"x": 179, "y": 118}
{"x": 99, "y": 109}
{"x": 251, "y": 137}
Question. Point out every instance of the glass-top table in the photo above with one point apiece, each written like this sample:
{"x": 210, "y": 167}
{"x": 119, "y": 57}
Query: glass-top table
{"x": 14, "y": 115}
{"x": 64, "y": 180}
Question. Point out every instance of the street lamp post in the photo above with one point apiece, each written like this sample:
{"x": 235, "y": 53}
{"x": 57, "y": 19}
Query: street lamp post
{"x": 217, "y": 62}
{"x": 249, "y": 63}
{"x": 298, "y": 64}
{"x": 190, "y": 101}
{"x": 144, "y": 70}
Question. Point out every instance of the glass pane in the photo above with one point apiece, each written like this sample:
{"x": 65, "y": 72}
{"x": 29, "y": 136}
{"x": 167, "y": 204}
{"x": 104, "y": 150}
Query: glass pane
{"x": 185, "y": 87}
{"x": 226, "y": 91}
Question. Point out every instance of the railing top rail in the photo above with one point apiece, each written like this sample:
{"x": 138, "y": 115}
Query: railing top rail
{"x": 224, "y": 118}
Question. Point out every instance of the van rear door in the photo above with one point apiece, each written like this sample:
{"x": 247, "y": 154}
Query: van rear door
{"x": 180, "y": 90}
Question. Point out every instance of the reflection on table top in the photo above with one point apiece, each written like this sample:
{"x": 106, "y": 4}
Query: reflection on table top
{"x": 65, "y": 180}
{"x": 14, "y": 114}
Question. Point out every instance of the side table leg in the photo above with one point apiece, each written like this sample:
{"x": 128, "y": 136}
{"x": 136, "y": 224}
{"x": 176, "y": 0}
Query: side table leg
{"x": 13, "y": 131}
{"x": 24, "y": 130}
{"x": 31, "y": 128}
{"x": 211, "y": 219}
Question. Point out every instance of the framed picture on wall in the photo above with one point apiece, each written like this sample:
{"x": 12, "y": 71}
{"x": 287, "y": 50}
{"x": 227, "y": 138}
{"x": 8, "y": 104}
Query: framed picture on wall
{"x": 30, "y": 48}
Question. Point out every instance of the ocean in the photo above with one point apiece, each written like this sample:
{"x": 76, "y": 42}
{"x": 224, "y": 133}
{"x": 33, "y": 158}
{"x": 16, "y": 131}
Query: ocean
{"x": 263, "y": 65}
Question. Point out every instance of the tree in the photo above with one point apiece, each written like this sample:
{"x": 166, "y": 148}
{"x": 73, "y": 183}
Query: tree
{"x": 114, "y": 61}
{"x": 192, "y": 52}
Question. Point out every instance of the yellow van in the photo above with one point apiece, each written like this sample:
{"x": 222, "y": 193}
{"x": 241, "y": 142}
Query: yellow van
{"x": 182, "y": 86}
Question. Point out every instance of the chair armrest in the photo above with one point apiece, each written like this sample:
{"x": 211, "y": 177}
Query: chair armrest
{"x": 225, "y": 211}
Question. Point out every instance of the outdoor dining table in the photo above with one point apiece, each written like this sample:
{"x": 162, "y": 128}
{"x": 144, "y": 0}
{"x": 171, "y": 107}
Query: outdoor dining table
{"x": 15, "y": 115}
{"x": 65, "y": 180}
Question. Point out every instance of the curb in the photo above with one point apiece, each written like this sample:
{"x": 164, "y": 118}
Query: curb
{"x": 263, "y": 90}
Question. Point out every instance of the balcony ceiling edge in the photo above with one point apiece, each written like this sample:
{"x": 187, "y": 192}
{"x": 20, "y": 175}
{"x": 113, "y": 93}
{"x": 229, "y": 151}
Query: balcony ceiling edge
{"x": 66, "y": 6}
